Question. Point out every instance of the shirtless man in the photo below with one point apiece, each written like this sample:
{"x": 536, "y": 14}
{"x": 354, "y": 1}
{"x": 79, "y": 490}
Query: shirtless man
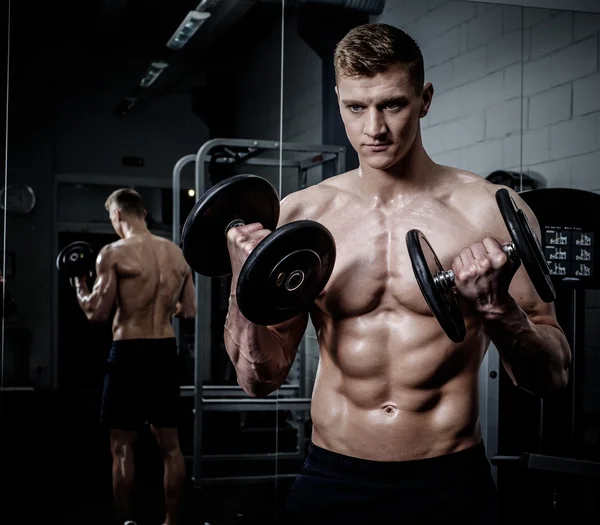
{"x": 396, "y": 436}
{"x": 149, "y": 281}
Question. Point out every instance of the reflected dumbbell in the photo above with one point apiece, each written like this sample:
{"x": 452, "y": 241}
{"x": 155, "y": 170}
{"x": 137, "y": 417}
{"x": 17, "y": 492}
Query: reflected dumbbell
{"x": 76, "y": 260}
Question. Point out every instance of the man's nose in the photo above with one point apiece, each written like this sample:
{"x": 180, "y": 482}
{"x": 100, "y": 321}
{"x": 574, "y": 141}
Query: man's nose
{"x": 375, "y": 124}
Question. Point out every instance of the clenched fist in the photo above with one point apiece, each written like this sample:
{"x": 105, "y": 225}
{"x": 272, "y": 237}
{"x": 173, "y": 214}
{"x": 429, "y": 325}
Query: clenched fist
{"x": 241, "y": 240}
{"x": 483, "y": 273}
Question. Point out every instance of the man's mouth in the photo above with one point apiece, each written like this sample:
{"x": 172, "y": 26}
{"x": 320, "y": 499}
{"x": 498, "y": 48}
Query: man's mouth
{"x": 378, "y": 146}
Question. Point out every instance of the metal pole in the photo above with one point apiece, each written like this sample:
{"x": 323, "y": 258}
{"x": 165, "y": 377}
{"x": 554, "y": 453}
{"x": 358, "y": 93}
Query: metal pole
{"x": 179, "y": 165}
{"x": 177, "y": 169}
{"x": 202, "y": 342}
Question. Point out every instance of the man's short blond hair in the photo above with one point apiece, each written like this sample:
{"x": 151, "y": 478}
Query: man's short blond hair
{"x": 128, "y": 201}
{"x": 369, "y": 49}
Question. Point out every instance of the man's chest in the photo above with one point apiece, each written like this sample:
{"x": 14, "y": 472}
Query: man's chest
{"x": 373, "y": 268}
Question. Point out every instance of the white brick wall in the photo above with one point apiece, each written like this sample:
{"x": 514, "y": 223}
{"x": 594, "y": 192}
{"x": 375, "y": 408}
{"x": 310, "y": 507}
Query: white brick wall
{"x": 522, "y": 92}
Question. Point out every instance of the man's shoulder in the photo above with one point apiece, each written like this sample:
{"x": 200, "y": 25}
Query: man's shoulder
{"x": 310, "y": 202}
{"x": 475, "y": 197}
{"x": 469, "y": 189}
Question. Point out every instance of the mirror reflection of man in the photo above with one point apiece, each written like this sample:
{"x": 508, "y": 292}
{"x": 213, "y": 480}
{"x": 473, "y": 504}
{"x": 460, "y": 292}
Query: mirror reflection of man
{"x": 148, "y": 280}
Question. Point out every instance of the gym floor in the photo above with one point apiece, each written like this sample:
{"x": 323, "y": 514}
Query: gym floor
{"x": 56, "y": 466}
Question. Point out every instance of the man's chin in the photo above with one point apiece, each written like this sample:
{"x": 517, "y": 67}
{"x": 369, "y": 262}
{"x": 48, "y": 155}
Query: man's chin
{"x": 379, "y": 162}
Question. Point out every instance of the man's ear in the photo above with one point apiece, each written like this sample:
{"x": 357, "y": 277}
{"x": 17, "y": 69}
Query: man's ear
{"x": 426, "y": 98}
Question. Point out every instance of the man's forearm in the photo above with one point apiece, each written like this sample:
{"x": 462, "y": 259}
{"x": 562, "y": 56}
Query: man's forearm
{"x": 538, "y": 355}
{"x": 84, "y": 298}
{"x": 256, "y": 352}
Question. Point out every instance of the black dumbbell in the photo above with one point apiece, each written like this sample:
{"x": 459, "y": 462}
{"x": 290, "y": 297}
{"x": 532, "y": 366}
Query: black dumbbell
{"x": 436, "y": 284}
{"x": 284, "y": 273}
{"x": 76, "y": 260}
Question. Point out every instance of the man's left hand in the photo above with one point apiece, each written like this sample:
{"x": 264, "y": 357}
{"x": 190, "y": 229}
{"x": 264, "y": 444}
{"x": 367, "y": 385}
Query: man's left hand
{"x": 483, "y": 273}
{"x": 80, "y": 281}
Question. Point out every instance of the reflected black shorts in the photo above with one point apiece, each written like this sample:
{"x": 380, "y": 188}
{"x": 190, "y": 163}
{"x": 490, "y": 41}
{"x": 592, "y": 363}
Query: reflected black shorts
{"x": 334, "y": 489}
{"x": 141, "y": 384}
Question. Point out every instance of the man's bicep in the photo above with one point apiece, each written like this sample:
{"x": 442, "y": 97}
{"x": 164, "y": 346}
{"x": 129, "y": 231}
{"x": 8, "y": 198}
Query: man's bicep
{"x": 526, "y": 296}
{"x": 104, "y": 292}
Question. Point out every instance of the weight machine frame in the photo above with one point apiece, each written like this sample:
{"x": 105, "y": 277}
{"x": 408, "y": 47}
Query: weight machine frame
{"x": 226, "y": 397}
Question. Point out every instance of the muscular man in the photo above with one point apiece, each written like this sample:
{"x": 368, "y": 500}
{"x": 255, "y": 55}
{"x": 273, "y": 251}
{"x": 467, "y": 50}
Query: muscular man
{"x": 396, "y": 436}
{"x": 149, "y": 282}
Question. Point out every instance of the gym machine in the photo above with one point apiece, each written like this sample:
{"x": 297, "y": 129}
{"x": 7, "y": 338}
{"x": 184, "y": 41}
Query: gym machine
{"x": 215, "y": 161}
{"x": 546, "y": 452}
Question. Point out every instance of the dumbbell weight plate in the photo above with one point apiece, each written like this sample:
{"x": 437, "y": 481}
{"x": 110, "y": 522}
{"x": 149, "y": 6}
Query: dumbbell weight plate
{"x": 527, "y": 245}
{"x": 243, "y": 198}
{"x": 76, "y": 260}
{"x": 443, "y": 304}
{"x": 286, "y": 272}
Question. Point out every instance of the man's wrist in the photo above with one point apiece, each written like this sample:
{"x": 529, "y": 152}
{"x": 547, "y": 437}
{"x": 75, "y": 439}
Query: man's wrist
{"x": 498, "y": 310}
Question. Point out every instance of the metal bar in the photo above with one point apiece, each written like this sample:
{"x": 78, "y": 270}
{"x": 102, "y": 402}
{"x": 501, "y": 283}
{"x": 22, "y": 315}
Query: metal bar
{"x": 17, "y": 389}
{"x": 254, "y": 457}
{"x": 551, "y": 464}
{"x": 577, "y": 350}
{"x": 311, "y": 163}
{"x": 226, "y": 388}
{"x": 190, "y": 391}
{"x": 177, "y": 169}
{"x": 253, "y": 404}
{"x": 202, "y": 342}
{"x": 112, "y": 180}
{"x": 98, "y": 227}
{"x": 564, "y": 465}
{"x": 245, "y": 479}
{"x": 54, "y": 327}
{"x": 272, "y": 162}
{"x": 272, "y": 145}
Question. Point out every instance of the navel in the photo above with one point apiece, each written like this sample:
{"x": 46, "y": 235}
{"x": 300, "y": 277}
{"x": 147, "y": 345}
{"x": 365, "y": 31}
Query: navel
{"x": 390, "y": 410}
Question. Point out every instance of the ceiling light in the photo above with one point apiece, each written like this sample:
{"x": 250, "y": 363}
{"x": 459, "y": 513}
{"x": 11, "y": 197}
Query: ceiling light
{"x": 155, "y": 69}
{"x": 187, "y": 29}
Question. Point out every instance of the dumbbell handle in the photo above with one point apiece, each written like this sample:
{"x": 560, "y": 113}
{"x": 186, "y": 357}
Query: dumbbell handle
{"x": 234, "y": 224}
{"x": 445, "y": 280}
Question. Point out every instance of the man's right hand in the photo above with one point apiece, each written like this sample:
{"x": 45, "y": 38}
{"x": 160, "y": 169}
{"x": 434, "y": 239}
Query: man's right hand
{"x": 241, "y": 240}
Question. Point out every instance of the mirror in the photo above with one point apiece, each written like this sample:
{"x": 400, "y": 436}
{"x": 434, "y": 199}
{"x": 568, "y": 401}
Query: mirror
{"x": 167, "y": 100}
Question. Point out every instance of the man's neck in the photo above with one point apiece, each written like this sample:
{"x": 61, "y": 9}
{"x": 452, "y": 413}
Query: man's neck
{"x": 133, "y": 228}
{"x": 400, "y": 183}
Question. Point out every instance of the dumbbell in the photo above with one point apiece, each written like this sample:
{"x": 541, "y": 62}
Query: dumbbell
{"x": 286, "y": 271}
{"x": 76, "y": 260}
{"x": 437, "y": 284}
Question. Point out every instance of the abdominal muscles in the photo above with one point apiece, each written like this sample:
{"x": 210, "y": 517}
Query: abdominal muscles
{"x": 390, "y": 385}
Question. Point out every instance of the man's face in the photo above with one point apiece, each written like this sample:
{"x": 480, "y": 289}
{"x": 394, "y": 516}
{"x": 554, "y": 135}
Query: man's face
{"x": 381, "y": 115}
{"x": 115, "y": 219}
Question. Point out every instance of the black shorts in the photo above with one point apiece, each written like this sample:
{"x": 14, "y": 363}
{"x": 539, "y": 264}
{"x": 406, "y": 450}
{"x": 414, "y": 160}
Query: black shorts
{"x": 334, "y": 489}
{"x": 141, "y": 384}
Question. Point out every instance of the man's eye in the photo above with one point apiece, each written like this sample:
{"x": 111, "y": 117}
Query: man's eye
{"x": 354, "y": 108}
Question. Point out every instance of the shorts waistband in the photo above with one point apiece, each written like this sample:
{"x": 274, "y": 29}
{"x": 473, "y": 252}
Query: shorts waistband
{"x": 469, "y": 459}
